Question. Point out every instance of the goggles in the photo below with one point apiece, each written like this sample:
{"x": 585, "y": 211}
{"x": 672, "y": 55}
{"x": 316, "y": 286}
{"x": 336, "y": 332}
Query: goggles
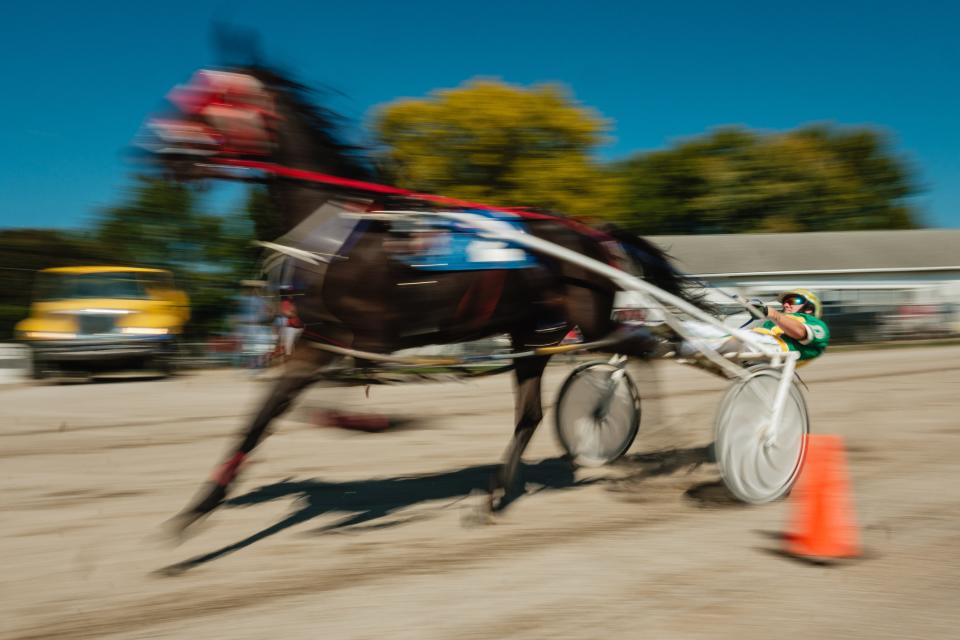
{"x": 795, "y": 299}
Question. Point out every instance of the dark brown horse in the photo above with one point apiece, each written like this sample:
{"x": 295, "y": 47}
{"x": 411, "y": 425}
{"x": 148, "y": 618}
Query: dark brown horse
{"x": 258, "y": 120}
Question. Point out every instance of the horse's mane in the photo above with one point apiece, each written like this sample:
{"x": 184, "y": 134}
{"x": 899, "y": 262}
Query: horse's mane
{"x": 659, "y": 269}
{"x": 321, "y": 125}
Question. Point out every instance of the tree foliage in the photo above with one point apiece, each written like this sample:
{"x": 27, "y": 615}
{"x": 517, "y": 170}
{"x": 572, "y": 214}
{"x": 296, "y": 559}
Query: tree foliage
{"x": 734, "y": 180}
{"x": 157, "y": 224}
{"x": 161, "y": 225}
{"x": 500, "y": 144}
{"x": 23, "y": 252}
{"x": 262, "y": 212}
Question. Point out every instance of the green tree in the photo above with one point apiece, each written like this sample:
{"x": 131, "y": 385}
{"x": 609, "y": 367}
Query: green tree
{"x": 734, "y": 180}
{"x": 491, "y": 142}
{"x": 23, "y": 252}
{"x": 158, "y": 225}
{"x": 161, "y": 225}
{"x": 262, "y": 213}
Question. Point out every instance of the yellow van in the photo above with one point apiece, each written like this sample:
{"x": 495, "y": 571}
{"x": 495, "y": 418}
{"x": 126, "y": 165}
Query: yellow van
{"x": 104, "y": 318}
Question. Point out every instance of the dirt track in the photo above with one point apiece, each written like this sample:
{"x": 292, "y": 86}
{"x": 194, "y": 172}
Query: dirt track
{"x": 337, "y": 534}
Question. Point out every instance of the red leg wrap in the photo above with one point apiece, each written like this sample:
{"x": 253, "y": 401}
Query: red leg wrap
{"x": 226, "y": 472}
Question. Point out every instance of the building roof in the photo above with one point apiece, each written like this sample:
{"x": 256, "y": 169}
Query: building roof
{"x": 837, "y": 251}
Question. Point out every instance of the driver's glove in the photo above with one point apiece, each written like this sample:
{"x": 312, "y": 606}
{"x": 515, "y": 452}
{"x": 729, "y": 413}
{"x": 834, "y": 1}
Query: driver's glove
{"x": 760, "y": 305}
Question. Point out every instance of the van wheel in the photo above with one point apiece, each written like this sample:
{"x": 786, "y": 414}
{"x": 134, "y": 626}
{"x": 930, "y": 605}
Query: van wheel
{"x": 38, "y": 368}
{"x": 166, "y": 361}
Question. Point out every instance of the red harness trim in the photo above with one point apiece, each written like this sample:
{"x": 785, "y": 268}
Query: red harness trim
{"x": 481, "y": 298}
{"x": 373, "y": 187}
{"x": 313, "y": 176}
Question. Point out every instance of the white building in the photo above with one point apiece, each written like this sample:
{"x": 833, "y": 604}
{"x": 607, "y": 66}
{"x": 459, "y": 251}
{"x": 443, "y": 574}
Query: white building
{"x": 892, "y": 282}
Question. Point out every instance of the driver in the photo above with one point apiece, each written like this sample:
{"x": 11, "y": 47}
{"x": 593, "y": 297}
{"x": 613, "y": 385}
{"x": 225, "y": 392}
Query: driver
{"x": 798, "y": 327}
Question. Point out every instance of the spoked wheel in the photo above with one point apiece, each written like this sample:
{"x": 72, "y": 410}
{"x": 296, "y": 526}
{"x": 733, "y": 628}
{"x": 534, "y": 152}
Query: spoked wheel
{"x": 597, "y": 413}
{"x": 759, "y": 465}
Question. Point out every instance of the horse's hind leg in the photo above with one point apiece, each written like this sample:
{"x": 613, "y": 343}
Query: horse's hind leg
{"x": 299, "y": 372}
{"x": 529, "y": 412}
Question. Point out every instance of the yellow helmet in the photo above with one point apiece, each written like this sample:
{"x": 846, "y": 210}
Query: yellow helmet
{"x": 810, "y": 296}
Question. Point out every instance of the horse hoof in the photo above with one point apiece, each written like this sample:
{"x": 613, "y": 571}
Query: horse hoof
{"x": 500, "y": 499}
{"x": 479, "y": 515}
{"x": 174, "y": 531}
{"x": 182, "y": 526}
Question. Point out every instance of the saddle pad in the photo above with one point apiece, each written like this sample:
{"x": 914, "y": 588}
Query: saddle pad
{"x": 451, "y": 246}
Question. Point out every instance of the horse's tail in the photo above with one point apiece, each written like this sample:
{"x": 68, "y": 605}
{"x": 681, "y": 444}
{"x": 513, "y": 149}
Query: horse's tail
{"x": 658, "y": 269}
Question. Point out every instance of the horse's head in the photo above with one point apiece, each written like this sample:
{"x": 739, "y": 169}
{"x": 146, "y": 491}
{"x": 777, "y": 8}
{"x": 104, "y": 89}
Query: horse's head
{"x": 216, "y": 115}
{"x": 248, "y": 113}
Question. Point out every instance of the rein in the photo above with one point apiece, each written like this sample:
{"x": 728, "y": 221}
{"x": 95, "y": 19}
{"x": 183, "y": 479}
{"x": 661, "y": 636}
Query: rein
{"x": 361, "y": 185}
{"x": 373, "y": 187}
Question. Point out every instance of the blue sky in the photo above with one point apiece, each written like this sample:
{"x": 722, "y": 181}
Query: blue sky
{"x": 78, "y": 78}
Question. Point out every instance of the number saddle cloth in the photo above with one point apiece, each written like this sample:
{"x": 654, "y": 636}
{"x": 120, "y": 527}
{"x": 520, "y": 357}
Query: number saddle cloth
{"x": 448, "y": 245}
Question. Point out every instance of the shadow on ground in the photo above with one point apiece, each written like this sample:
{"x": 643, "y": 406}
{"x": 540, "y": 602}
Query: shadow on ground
{"x": 644, "y": 466}
{"x": 369, "y": 504}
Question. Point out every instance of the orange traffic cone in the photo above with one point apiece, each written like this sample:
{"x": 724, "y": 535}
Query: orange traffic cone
{"x": 824, "y": 526}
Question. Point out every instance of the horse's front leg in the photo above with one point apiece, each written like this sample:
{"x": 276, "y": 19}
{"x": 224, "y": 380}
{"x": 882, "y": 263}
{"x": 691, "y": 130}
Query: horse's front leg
{"x": 528, "y": 374}
{"x": 299, "y": 372}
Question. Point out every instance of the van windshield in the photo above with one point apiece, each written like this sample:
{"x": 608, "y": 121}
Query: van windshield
{"x": 70, "y": 286}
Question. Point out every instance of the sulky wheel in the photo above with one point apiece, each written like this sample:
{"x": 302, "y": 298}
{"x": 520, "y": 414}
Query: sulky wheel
{"x": 759, "y": 466}
{"x": 597, "y": 413}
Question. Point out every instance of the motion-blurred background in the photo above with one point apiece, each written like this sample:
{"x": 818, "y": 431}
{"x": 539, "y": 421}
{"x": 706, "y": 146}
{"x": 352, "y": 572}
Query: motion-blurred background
{"x": 764, "y": 148}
